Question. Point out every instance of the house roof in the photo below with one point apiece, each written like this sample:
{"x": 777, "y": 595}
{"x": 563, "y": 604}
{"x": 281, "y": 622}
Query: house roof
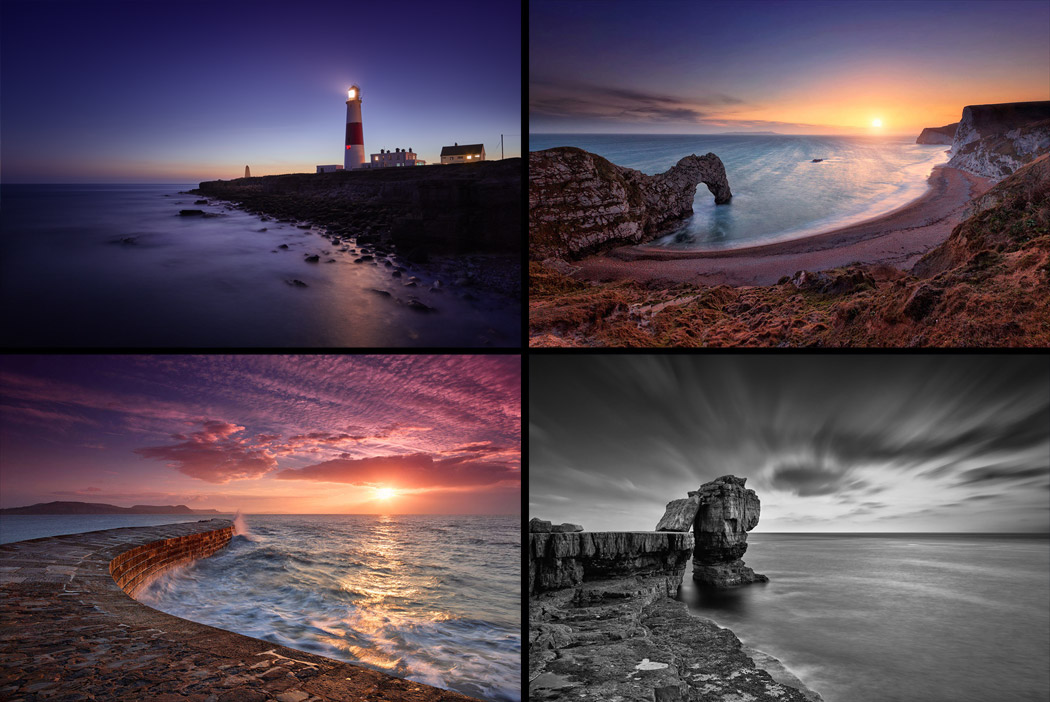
{"x": 462, "y": 150}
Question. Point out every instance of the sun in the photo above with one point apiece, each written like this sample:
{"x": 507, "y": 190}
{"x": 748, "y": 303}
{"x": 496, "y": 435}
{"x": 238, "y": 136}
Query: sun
{"x": 385, "y": 493}
{"x": 876, "y": 122}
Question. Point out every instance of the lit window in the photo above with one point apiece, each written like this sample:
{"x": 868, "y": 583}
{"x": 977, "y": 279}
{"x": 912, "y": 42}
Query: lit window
{"x": 468, "y": 158}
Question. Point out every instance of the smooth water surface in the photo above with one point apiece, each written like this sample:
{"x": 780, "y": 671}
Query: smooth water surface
{"x": 21, "y": 527}
{"x": 435, "y": 599}
{"x": 778, "y": 192}
{"x": 109, "y": 265}
{"x": 897, "y": 618}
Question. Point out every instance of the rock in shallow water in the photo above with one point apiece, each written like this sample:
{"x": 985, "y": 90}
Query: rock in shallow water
{"x": 727, "y": 512}
{"x": 604, "y": 625}
{"x": 580, "y": 203}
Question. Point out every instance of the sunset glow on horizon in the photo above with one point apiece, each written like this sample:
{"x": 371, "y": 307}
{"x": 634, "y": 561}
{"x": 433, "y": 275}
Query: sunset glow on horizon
{"x": 264, "y": 434}
{"x": 151, "y": 92}
{"x": 791, "y": 67}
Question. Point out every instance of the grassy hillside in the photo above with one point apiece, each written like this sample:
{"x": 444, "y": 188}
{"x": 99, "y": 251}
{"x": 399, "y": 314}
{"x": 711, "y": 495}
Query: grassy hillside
{"x": 987, "y": 285}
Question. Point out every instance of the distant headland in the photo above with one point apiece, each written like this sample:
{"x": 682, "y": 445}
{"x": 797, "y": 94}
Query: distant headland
{"x": 99, "y": 508}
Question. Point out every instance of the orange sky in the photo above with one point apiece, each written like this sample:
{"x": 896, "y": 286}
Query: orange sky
{"x": 793, "y": 67}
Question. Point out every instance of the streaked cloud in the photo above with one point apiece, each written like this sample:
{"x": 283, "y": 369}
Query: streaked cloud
{"x": 179, "y": 425}
{"x": 572, "y": 100}
{"x": 620, "y": 436}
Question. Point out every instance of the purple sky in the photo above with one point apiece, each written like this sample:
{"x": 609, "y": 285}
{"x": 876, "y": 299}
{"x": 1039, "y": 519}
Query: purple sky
{"x": 312, "y": 434}
{"x": 831, "y": 442}
{"x": 105, "y": 91}
{"x": 789, "y": 66}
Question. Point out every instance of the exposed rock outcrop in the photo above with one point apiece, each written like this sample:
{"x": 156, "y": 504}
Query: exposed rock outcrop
{"x": 995, "y": 140}
{"x": 1011, "y": 218}
{"x": 604, "y": 625}
{"x": 433, "y": 209}
{"x": 580, "y": 203}
{"x": 542, "y": 526}
{"x": 727, "y": 512}
{"x": 560, "y": 560}
{"x": 680, "y": 514}
{"x": 938, "y": 135}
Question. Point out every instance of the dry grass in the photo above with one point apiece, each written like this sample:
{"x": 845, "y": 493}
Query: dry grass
{"x": 987, "y": 286}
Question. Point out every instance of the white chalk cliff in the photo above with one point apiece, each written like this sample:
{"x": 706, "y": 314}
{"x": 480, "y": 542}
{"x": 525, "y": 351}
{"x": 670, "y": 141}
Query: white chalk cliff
{"x": 995, "y": 140}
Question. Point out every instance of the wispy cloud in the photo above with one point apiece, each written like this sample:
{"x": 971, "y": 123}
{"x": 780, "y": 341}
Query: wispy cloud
{"x": 214, "y": 454}
{"x": 576, "y": 100}
{"x": 816, "y": 436}
{"x": 409, "y": 471}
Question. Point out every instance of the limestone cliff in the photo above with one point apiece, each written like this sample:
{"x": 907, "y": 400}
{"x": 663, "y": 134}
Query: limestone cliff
{"x": 560, "y": 560}
{"x": 988, "y": 285}
{"x": 721, "y": 513}
{"x": 604, "y": 624}
{"x": 580, "y": 203}
{"x": 727, "y": 512}
{"x": 995, "y": 140}
{"x": 938, "y": 135}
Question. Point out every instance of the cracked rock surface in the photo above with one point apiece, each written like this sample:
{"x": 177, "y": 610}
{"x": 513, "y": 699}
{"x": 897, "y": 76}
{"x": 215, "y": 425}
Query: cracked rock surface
{"x": 627, "y": 638}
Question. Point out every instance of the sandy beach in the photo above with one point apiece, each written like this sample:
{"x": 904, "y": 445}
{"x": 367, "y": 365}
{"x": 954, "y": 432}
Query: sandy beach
{"x": 898, "y": 238}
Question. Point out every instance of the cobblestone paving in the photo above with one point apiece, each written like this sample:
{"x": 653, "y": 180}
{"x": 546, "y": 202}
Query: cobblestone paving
{"x": 68, "y": 632}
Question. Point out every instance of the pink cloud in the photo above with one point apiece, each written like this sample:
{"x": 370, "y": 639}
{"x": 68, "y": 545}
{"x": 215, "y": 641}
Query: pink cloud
{"x": 214, "y": 454}
{"x": 407, "y": 471}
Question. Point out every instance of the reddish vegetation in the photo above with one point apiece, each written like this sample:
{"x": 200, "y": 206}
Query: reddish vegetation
{"x": 987, "y": 285}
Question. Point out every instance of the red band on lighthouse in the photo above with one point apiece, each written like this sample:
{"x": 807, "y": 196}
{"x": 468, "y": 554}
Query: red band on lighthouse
{"x": 354, "y": 134}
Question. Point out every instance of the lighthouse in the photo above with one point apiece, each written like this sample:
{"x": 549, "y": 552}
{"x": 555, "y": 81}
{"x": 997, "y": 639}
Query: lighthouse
{"x": 354, "y": 157}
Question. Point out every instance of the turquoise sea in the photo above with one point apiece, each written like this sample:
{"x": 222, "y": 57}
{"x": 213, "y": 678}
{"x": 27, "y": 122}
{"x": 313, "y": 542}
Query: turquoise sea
{"x": 778, "y": 192}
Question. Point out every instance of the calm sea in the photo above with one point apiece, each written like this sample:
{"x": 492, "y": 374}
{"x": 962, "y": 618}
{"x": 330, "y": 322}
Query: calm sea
{"x": 778, "y": 192}
{"x": 897, "y": 618}
{"x": 21, "y": 527}
{"x": 106, "y": 265}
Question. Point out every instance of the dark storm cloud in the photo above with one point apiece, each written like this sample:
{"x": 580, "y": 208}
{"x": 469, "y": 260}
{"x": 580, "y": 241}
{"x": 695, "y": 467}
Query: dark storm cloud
{"x": 632, "y": 432}
{"x": 574, "y": 100}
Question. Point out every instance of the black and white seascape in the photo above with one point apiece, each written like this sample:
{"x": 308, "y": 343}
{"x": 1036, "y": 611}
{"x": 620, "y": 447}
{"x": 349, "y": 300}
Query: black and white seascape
{"x": 847, "y": 528}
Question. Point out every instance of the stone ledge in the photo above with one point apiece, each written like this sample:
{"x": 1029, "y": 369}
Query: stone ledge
{"x": 68, "y": 631}
{"x": 562, "y": 560}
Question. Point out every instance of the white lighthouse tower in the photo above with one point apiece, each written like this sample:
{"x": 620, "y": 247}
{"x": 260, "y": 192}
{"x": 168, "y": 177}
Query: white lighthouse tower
{"x": 355, "y": 136}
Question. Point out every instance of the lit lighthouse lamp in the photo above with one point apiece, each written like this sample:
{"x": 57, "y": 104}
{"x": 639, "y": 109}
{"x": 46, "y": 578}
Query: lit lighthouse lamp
{"x": 354, "y": 156}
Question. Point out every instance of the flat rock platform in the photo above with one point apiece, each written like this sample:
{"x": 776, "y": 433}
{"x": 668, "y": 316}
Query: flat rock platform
{"x": 68, "y": 631}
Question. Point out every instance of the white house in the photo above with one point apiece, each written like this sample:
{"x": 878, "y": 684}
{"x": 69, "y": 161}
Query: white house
{"x": 469, "y": 153}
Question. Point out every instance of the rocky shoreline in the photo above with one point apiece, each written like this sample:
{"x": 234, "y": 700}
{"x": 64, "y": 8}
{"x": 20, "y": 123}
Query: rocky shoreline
{"x": 604, "y": 623}
{"x": 456, "y": 227}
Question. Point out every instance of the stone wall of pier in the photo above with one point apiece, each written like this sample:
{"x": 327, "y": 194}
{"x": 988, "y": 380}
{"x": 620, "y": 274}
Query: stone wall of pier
{"x": 69, "y": 630}
{"x": 135, "y": 568}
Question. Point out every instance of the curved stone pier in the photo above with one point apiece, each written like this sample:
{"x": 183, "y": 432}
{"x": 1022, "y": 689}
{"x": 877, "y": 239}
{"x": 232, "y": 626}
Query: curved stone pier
{"x": 70, "y": 631}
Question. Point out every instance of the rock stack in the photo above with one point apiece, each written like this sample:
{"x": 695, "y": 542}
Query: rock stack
{"x": 720, "y": 513}
{"x": 580, "y": 203}
{"x": 605, "y": 624}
